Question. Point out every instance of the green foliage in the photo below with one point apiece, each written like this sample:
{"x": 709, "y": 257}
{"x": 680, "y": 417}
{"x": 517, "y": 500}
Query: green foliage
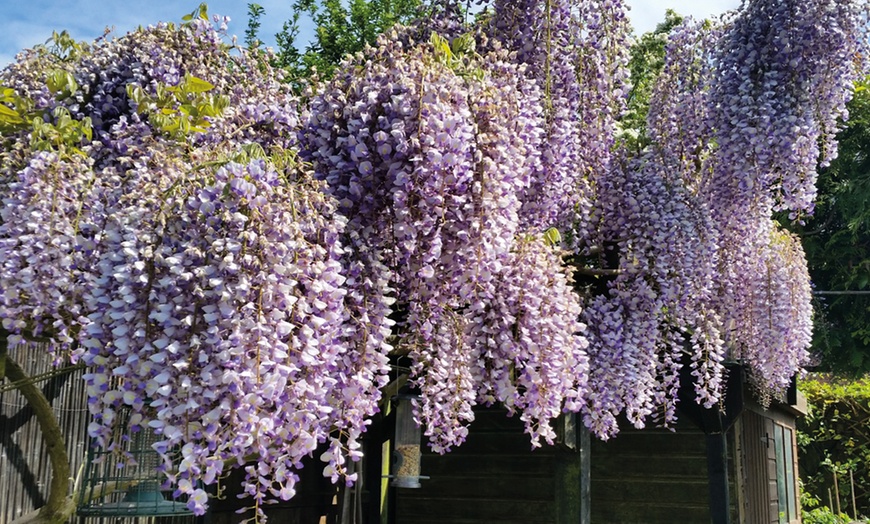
{"x": 62, "y": 135}
{"x": 342, "y": 28}
{"x": 252, "y": 39}
{"x": 201, "y": 12}
{"x": 837, "y": 244}
{"x": 59, "y": 132}
{"x": 182, "y": 109}
{"x": 64, "y": 47}
{"x": 457, "y": 54}
{"x": 61, "y": 84}
{"x": 833, "y": 439}
{"x": 823, "y": 515}
{"x": 13, "y": 110}
{"x": 17, "y": 112}
{"x": 814, "y": 512}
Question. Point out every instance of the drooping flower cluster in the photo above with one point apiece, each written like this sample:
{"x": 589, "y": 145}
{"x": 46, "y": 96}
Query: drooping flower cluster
{"x": 678, "y": 119}
{"x": 577, "y": 53}
{"x": 195, "y": 262}
{"x": 656, "y": 237}
{"x": 412, "y": 146}
{"x": 784, "y": 73}
{"x": 739, "y": 113}
{"x": 657, "y": 305}
{"x": 686, "y": 226}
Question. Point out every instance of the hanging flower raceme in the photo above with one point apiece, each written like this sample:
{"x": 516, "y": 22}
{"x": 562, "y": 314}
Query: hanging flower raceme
{"x": 765, "y": 303}
{"x": 530, "y": 357}
{"x": 40, "y": 228}
{"x": 664, "y": 251}
{"x": 785, "y": 71}
{"x": 739, "y": 111}
{"x": 679, "y": 122}
{"x": 577, "y": 55}
{"x": 412, "y": 146}
{"x": 194, "y": 261}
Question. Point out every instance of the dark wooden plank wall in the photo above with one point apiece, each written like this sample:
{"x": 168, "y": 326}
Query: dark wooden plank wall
{"x": 493, "y": 478}
{"x": 653, "y": 476}
{"x": 25, "y": 472}
{"x": 316, "y": 500}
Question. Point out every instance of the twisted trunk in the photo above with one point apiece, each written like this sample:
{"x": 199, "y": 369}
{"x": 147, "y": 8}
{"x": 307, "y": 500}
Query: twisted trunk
{"x": 59, "y": 505}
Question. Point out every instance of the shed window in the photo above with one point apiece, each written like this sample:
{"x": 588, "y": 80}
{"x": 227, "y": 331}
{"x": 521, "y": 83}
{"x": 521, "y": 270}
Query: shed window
{"x": 783, "y": 438}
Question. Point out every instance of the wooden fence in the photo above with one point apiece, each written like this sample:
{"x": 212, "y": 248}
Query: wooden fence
{"x": 25, "y": 471}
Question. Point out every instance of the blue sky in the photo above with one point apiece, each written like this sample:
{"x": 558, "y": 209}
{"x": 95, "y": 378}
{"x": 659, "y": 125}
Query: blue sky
{"x": 25, "y": 23}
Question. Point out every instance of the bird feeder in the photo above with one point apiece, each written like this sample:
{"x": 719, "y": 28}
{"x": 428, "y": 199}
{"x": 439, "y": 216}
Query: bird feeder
{"x": 126, "y": 481}
{"x": 406, "y": 447}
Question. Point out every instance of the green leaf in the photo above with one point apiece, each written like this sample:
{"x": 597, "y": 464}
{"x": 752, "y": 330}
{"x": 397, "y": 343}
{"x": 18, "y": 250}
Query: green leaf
{"x": 193, "y": 84}
{"x": 552, "y": 236}
{"x": 200, "y": 12}
{"x": 220, "y": 103}
{"x": 463, "y": 44}
{"x": 88, "y": 128}
{"x": 254, "y": 150}
{"x": 9, "y": 116}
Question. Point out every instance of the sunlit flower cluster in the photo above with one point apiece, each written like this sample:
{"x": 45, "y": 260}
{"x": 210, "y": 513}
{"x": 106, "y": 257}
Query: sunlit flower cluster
{"x": 201, "y": 276}
{"x": 576, "y": 52}
{"x": 412, "y": 146}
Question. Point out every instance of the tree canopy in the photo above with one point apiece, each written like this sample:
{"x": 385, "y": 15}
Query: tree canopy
{"x": 835, "y": 238}
{"x": 239, "y": 268}
{"x": 341, "y": 28}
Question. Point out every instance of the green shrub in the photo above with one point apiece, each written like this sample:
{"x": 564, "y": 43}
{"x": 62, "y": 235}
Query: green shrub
{"x": 834, "y": 439}
{"x": 823, "y": 515}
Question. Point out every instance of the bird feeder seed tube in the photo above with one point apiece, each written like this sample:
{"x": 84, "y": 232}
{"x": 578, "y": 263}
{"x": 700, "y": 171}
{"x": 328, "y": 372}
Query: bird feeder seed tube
{"x": 406, "y": 450}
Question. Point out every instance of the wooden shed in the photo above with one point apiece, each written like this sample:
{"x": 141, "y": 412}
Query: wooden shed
{"x": 734, "y": 465}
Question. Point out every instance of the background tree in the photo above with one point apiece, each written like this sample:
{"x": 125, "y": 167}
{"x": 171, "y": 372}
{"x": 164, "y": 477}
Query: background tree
{"x": 837, "y": 242}
{"x": 647, "y": 59}
{"x": 255, "y": 11}
{"x": 341, "y": 28}
{"x": 834, "y": 440}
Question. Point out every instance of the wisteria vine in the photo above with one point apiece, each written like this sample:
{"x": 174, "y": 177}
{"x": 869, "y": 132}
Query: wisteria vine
{"x": 239, "y": 268}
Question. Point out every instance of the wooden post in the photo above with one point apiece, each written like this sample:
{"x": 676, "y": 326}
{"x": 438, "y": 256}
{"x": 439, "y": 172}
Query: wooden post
{"x": 717, "y": 473}
{"x": 854, "y": 505}
{"x": 837, "y": 492}
{"x": 371, "y": 496}
{"x": 585, "y": 475}
{"x": 572, "y": 474}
